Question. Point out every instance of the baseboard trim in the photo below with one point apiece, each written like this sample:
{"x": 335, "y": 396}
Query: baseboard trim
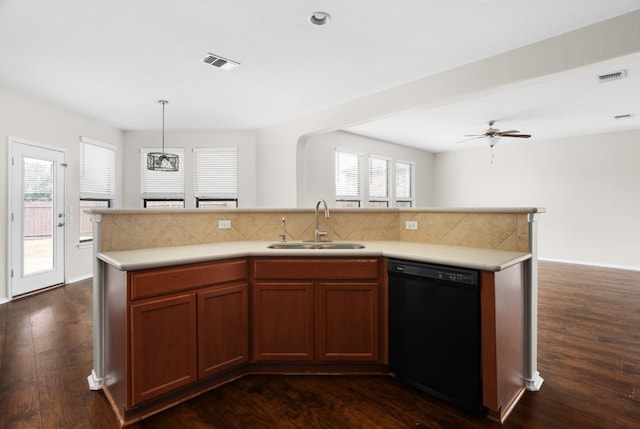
{"x": 79, "y": 278}
{"x": 593, "y": 264}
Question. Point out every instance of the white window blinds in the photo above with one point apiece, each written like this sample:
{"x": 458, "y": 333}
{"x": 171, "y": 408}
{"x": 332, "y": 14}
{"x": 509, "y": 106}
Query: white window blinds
{"x": 97, "y": 169}
{"x": 378, "y": 179}
{"x": 348, "y": 174}
{"x": 216, "y": 173}
{"x": 162, "y": 185}
{"x": 404, "y": 181}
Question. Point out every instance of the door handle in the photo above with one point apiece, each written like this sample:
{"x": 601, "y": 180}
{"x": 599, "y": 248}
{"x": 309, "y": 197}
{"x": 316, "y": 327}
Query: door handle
{"x": 60, "y": 223}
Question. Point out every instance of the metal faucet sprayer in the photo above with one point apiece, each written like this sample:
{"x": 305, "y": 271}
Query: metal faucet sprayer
{"x": 317, "y": 233}
{"x": 283, "y": 236}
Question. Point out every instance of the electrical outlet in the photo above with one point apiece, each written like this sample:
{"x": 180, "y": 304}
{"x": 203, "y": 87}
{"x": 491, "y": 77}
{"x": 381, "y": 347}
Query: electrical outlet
{"x": 411, "y": 224}
{"x": 224, "y": 224}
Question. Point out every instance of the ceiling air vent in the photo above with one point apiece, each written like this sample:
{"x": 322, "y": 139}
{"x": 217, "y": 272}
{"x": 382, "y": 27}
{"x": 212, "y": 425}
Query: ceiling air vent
{"x": 218, "y": 62}
{"x": 612, "y": 76}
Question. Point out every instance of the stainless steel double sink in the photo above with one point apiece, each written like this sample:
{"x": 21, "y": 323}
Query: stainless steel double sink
{"x": 316, "y": 245}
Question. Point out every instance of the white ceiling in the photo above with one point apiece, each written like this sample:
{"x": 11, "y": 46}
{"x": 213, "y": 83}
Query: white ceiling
{"x": 114, "y": 59}
{"x": 575, "y": 104}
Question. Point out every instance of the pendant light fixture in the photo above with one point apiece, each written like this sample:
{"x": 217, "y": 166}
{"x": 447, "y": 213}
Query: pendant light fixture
{"x": 161, "y": 161}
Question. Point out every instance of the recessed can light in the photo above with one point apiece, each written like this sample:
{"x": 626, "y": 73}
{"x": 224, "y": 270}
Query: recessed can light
{"x": 319, "y": 18}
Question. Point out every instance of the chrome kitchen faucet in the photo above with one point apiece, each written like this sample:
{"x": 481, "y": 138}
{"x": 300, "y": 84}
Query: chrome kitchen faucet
{"x": 317, "y": 235}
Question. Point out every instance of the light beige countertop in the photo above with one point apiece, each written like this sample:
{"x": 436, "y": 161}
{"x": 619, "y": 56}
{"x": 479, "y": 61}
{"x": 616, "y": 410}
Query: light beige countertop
{"x": 466, "y": 257}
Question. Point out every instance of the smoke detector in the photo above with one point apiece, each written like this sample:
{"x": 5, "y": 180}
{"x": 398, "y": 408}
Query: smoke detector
{"x": 219, "y": 62}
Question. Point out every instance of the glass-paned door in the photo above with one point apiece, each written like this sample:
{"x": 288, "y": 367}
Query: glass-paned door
{"x": 37, "y": 217}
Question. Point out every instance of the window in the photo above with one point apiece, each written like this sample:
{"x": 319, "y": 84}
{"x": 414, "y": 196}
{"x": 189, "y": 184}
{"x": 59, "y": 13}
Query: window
{"x": 162, "y": 189}
{"x": 378, "y": 182}
{"x": 216, "y": 177}
{"x": 405, "y": 184}
{"x": 97, "y": 181}
{"x": 348, "y": 179}
{"x": 390, "y": 183}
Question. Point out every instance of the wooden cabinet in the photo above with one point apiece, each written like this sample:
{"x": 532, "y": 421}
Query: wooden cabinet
{"x": 317, "y": 309}
{"x": 163, "y": 346}
{"x": 170, "y": 328}
{"x": 283, "y": 328}
{"x": 348, "y": 321}
{"x": 179, "y": 339}
{"x": 172, "y": 333}
{"x": 223, "y": 328}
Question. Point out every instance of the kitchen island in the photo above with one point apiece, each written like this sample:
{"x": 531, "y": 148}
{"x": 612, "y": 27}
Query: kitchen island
{"x": 181, "y": 320}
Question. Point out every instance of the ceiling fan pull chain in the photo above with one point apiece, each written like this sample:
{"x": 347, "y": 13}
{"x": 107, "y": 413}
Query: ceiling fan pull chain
{"x": 492, "y": 155}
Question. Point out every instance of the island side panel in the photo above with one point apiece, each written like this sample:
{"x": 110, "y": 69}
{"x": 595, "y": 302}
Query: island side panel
{"x": 502, "y": 301}
{"x": 115, "y": 347}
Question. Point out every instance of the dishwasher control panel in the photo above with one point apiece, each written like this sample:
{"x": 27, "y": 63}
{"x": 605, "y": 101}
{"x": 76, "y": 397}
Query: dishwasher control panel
{"x": 440, "y": 272}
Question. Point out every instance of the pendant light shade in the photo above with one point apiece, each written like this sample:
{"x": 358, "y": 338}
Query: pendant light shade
{"x": 161, "y": 161}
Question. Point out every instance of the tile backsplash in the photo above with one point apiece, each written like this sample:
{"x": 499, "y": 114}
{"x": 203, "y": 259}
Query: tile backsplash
{"x": 142, "y": 229}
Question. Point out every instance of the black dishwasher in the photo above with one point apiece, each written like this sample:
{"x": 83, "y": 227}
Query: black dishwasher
{"x": 434, "y": 331}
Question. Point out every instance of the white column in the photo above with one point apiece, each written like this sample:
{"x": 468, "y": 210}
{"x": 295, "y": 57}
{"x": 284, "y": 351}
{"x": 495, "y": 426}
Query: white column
{"x": 532, "y": 376}
{"x": 96, "y": 378}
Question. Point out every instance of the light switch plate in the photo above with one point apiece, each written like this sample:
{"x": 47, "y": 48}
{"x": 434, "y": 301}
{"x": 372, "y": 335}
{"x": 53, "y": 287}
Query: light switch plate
{"x": 224, "y": 224}
{"x": 411, "y": 224}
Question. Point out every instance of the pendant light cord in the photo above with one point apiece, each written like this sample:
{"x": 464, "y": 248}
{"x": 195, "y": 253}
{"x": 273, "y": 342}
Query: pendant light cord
{"x": 164, "y": 102}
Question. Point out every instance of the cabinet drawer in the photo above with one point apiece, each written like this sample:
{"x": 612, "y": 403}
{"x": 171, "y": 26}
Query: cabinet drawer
{"x": 316, "y": 268}
{"x": 162, "y": 281}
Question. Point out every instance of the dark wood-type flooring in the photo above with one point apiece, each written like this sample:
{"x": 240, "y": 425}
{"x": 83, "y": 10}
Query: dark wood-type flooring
{"x": 589, "y": 356}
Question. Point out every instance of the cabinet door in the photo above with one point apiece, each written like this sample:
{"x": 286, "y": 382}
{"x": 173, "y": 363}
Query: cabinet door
{"x": 163, "y": 346}
{"x": 283, "y": 321}
{"x": 223, "y": 328}
{"x": 348, "y": 321}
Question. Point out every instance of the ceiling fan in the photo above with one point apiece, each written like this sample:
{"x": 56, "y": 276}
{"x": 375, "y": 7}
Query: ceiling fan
{"x": 493, "y": 135}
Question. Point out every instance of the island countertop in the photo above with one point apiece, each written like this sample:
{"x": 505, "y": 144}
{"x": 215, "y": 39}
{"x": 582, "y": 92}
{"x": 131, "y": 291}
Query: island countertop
{"x": 466, "y": 257}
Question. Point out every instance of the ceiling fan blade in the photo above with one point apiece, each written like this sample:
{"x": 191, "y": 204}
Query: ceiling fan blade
{"x": 472, "y": 137}
{"x": 499, "y": 133}
{"x": 524, "y": 136}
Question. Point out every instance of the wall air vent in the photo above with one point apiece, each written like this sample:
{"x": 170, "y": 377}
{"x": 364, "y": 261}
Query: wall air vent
{"x": 218, "y": 62}
{"x": 621, "y": 74}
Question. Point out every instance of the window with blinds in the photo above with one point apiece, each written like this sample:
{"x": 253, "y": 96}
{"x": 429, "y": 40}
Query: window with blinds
{"x": 348, "y": 179}
{"x": 405, "y": 184}
{"x": 97, "y": 181}
{"x": 97, "y": 169}
{"x": 161, "y": 185}
{"x": 378, "y": 182}
{"x": 216, "y": 177}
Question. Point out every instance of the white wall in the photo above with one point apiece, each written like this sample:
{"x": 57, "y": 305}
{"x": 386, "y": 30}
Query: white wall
{"x": 319, "y": 164}
{"x": 589, "y": 186}
{"x": 29, "y": 119}
{"x": 243, "y": 140}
